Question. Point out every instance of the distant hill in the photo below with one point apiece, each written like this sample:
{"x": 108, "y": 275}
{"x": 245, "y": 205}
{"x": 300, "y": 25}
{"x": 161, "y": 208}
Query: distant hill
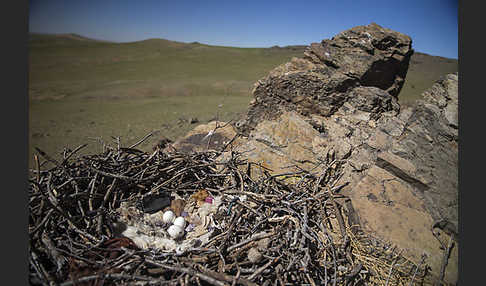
{"x": 54, "y": 39}
{"x": 424, "y": 69}
{"x": 81, "y": 87}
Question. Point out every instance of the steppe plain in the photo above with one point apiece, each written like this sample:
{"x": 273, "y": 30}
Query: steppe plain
{"x": 96, "y": 92}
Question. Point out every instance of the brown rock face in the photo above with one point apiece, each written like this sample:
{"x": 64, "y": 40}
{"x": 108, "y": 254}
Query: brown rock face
{"x": 214, "y": 135}
{"x": 369, "y": 57}
{"x": 337, "y": 108}
{"x": 408, "y": 176}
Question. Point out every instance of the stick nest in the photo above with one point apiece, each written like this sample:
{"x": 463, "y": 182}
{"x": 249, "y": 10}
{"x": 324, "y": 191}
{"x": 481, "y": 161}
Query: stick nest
{"x": 291, "y": 229}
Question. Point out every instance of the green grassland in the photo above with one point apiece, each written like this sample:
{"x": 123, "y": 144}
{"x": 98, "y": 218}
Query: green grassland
{"x": 423, "y": 71}
{"x": 87, "y": 91}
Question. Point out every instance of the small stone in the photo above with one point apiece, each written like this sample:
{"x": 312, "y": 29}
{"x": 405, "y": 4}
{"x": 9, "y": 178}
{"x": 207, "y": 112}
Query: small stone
{"x": 263, "y": 244}
{"x": 254, "y": 255}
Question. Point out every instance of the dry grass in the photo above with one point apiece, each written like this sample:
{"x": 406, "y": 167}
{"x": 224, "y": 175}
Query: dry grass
{"x": 80, "y": 89}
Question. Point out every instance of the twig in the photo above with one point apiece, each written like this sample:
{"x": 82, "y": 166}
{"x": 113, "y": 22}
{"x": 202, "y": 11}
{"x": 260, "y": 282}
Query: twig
{"x": 190, "y": 272}
{"x": 91, "y": 192}
{"x": 38, "y": 266}
{"x": 226, "y": 277}
{"x": 141, "y": 140}
{"x": 445, "y": 259}
{"x": 260, "y": 270}
{"x": 338, "y": 214}
{"x": 46, "y": 217}
{"x": 103, "y": 204}
{"x": 111, "y": 175}
{"x": 391, "y": 269}
{"x": 36, "y": 158}
{"x": 115, "y": 276}
{"x": 416, "y": 269}
{"x": 73, "y": 152}
{"x": 47, "y": 157}
{"x": 246, "y": 241}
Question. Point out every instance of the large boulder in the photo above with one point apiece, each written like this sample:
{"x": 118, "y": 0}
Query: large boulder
{"x": 320, "y": 82}
{"x": 337, "y": 108}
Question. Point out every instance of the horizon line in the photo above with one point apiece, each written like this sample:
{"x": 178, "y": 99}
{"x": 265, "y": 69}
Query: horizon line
{"x": 196, "y": 42}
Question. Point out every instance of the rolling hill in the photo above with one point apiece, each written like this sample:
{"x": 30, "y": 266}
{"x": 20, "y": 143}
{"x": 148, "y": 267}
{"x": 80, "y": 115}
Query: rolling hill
{"x": 89, "y": 91}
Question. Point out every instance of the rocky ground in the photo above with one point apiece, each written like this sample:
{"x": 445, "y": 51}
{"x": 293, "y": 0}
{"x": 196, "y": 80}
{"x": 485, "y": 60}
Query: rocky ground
{"x": 337, "y": 108}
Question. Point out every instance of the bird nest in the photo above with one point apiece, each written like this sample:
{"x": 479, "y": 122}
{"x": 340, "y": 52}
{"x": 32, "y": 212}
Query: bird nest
{"x": 97, "y": 220}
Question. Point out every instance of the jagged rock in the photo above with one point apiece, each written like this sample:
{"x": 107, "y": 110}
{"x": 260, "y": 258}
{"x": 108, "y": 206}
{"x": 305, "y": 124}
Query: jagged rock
{"x": 324, "y": 79}
{"x": 339, "y": 104}
{"x": 412, "y": 179}
{"x": 448, "y": 100}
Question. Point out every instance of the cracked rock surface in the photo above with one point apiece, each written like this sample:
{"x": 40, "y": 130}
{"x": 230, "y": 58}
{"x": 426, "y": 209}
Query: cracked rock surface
{"x": 339, "y": 104}
{"x": 371, "y": 58}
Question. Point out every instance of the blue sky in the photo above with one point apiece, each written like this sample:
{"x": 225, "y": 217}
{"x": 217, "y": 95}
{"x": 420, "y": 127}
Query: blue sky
{"x": 432, "y": 24}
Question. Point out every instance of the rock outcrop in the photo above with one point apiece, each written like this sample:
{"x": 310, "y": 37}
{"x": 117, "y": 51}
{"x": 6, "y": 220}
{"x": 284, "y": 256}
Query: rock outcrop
{"x": 337, "y": 107}
{"x": 370, "y": 57}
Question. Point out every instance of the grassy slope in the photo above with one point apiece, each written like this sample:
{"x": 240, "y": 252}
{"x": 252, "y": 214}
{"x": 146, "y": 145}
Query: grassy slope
{"x": 80, "y": 89}
{"x": 423, "y": 71}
